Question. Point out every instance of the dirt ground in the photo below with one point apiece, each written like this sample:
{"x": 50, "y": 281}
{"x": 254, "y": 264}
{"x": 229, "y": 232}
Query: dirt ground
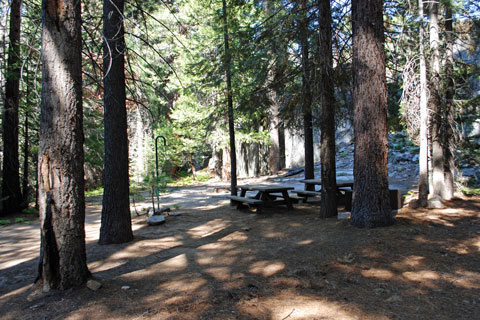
{"x": 214, "y": 262}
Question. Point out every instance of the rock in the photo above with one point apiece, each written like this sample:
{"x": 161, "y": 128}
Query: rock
{"x": 155, "y": 220}
{"x": 174, "y": 214}
{"x": 93, "y": 285}
{"x": 125, "y": 287}
{"x": 415, "y": 158}
{"x": 435, "y": 202}
{"x": 394, "y": 298}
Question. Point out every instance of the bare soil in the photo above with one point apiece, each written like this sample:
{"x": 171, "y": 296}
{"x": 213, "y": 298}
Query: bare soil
{"x": 214, "y": 262}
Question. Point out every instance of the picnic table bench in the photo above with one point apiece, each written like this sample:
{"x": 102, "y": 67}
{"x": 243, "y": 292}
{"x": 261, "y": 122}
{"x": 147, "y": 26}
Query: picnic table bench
{"x": 345, "y": 193}
{"x": 265, "y": 195}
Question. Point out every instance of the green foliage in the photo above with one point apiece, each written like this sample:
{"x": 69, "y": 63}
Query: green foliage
{"x": 31, "y": 210}
{"x": 185, "y": 179}
{"x": 94, "y": 192}
{"x": 470, "y": 191}
{"x": 5, "y": 222}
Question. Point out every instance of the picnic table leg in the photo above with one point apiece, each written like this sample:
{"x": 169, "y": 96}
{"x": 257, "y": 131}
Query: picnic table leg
{"x": 288, "y": 202}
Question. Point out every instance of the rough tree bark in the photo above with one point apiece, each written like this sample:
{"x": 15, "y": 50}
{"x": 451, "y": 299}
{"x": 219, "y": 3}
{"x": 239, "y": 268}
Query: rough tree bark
{"x": 448, "y": 137}
{"x": 435, "y": 104}
{"x": 11, "y": 178}
{"x": 371, "y": 203}
{"x": 231, "y": 128}
{"x": 60, "y": 175}
{"x": 306, "y": 93}
{"x": 423, "y": 184}
{"x": 328, "y": 206}
{"x": 116, "y": 224}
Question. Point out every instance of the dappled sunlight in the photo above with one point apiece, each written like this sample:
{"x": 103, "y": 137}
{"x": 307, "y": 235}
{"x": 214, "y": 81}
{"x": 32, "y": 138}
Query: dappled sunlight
{"x": 466, "y": 279}
{"x": 20, "y": 244}
{"x": 190, "y": 284}
{"x": 214, "y": 257}
{"x": 305, "y": 307}
{"x": 427, "y": 278}
{"x": 220, "y": 273}
{"x": 409, "y": 262}
{"x": 207, "y": 229}
{"x": 267, "y": 268}
{"x": 382, "y": 274}
{"x": 174, "y": 264}
{"x": 305, "y": 242}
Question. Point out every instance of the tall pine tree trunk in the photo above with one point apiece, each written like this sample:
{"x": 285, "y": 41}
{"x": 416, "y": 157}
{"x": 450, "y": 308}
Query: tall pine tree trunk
{"x": 116, "y": 225}
{"x": 26, "y": 157}
{"x": 328, "y": 206}
{"x": 371, "y": 203}
{"x": 60, "y": 175}
{"x": 231, "y": 128}
{"x": 306, "y": 93}
{"x": 11, "y": 165}
{"x": 435, "y": 104}
{"x": 423, "y": 184}
{"x": 448, "y": 136}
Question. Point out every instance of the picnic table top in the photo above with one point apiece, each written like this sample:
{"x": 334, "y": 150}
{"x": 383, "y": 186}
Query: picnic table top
{"x": 264, "y": 188}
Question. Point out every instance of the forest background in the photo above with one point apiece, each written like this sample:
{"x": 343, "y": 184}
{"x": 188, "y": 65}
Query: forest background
{"x": 176, "y": 85}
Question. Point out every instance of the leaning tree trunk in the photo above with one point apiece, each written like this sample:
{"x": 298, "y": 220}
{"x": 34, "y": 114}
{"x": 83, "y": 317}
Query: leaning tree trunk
{"x": 10, "y": 178}
{"x": 448, "y": 136}
{"x": 60, "y": 174}
{"x": 231, "y": 127}
{"x": 423, "y": 184}
{"x": 116, "y": 225}
{"x": 435, "y": 105}
{"x": 306, "y": 94}
{"x": 371, "y": 203}
{"x": 328, "y": 206}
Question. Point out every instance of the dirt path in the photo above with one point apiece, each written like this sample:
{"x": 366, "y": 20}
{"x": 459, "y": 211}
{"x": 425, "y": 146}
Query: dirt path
{"x": 214, "y": 262}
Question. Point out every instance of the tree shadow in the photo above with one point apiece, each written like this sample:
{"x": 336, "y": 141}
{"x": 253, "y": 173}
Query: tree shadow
{"x": 221, "y": 263}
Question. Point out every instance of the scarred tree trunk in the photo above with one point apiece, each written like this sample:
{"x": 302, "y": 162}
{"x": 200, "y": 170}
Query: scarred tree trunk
{"x": 306, "y": 93}
{"x": 60, "y": 174}
{"x": 328, "y": 206}
{"x": 231, "y": 128}
{"x": 371, "y": 203}
{"x": 116, "y": 225}
{"x": 11, "y": 165}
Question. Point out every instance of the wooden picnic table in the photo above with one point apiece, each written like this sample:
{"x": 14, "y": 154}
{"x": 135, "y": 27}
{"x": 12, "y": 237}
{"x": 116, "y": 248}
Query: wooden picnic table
{"x": 264, "y": 195}
{"x": 344, "y": 196}
{"x": 340, "y": 184}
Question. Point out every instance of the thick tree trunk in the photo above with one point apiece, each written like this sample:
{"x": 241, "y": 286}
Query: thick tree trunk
{"x": 328, "y": 206}
{"x": 231, "y": 127}
{"x": 26, "y": 157}
{"x": 306, "y": 93}
{"x": 274, "y": 130}
{"x": 448, "y": 137}
{"x": 60, "y": 174}
{"x": 371, "y": 203}
{"x": 435, "y": 104}
{"x": 11, "y": 165}
{"x": 423, "y": 184}
{"x": 116, "y": 225}
{"x": 276, "y": 75}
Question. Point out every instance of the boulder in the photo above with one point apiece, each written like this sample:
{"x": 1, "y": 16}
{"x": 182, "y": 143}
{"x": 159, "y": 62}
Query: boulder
{"x": 155, "y": 220}
{"x": 93, "y": 285}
